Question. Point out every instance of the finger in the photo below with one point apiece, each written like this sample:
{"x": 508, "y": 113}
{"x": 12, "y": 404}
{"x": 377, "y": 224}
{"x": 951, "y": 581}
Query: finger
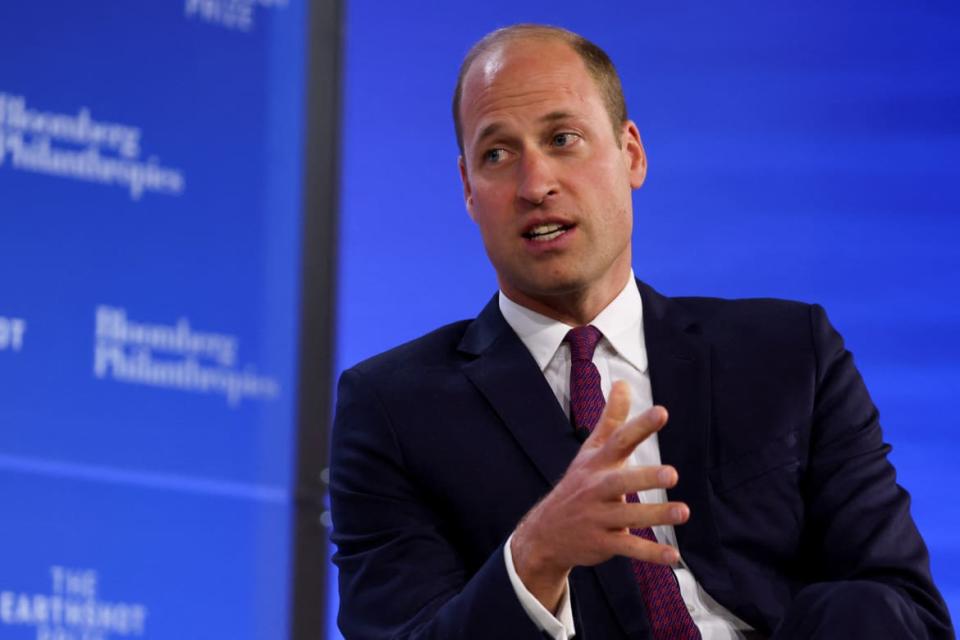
{"x": 621, "y": 443}
{"x": 640, "y": 516}
{"x": 624, "y": 480}
{"x": 614, "y": 414}
{"x": 632, "y": 546}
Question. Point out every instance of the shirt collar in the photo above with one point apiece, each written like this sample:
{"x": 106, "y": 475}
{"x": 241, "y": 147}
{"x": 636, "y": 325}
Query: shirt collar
{"x": 620, "y": 322}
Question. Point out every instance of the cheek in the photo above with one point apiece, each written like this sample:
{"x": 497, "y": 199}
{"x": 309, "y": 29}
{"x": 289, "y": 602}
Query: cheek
{"x": 491, "y": 210}
{"x": 490, "y": 196}
{"x": 616, "y": 193}
{"x": 493, "y": 229}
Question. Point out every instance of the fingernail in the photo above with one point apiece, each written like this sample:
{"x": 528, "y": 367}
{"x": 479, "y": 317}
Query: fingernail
{"x": 664, "y": 475}
{"x": 676, "y": 513}
{"x": 669, "y": 556}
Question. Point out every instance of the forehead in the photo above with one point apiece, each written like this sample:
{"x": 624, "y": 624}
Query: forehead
{"x": 527, "y": 79}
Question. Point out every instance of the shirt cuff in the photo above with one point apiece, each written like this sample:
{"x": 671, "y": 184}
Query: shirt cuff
{"x": 559, "y": 626}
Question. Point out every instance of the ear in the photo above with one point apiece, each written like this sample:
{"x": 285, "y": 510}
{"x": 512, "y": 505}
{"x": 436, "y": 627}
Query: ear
{"x": 467, "y": 190}
{"x": 634, "y": 155}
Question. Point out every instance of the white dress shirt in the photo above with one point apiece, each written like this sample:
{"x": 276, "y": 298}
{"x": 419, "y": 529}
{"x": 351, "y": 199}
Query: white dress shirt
{"x": 620, "y": 355}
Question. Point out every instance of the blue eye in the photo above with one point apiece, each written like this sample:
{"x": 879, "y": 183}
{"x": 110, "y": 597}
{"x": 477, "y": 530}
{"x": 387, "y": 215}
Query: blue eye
{"x": 563, "y": 139}
{"x": 493, "y": 155}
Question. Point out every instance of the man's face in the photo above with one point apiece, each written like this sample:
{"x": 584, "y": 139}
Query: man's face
{"x": 546, "y": 178}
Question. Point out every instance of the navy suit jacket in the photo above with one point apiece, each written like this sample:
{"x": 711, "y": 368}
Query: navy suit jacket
{"x": 441, "y": 445}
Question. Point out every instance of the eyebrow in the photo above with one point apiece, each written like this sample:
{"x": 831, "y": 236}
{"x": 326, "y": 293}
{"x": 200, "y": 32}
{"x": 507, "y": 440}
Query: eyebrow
{"x": 553, "y": 116}
{"x": 494, "y": 127}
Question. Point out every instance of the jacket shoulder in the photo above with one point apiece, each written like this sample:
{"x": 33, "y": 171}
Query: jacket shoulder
{"x": 757, "y": 321}
{"x": 436, "y": 349}
{"x": 748, "y": 309}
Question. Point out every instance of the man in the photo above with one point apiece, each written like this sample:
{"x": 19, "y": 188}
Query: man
{"x": 511, "y": 477}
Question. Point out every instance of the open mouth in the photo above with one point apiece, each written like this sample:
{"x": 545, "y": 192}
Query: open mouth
{"x": 547, "y": 232}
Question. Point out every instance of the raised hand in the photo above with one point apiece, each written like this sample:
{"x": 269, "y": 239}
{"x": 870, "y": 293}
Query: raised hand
{"x": 585, "y": 519}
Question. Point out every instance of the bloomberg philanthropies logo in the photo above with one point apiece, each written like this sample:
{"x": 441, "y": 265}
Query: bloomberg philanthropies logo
{"x": 78, "y": 147}
{"x": 174, "y": 356}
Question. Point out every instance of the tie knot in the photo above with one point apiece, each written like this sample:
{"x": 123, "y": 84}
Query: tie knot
{"x": 583, "y": 342}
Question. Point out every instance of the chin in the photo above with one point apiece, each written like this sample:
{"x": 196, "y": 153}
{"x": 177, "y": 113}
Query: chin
{"x": 554, "y": 285}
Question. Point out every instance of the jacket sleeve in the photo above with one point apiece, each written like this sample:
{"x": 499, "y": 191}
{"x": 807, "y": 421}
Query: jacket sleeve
{"x": 859, "y": 526}
{"x": 400, "y": 574}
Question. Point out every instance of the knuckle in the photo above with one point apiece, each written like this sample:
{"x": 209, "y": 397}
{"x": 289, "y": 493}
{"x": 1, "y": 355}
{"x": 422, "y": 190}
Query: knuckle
{"x": 597, "y": 483}
{"x": 647, "y": 550}
{"x": 620, "y": 439}
{"x": 620, "y": 482}
{"x": 639, "y": 479}
{"x": 648, "y": 478}
{"x": 667, "y": 513}
{"x": 644, "y": 550}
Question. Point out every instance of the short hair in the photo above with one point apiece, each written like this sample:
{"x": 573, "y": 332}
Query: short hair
{"x": 595, "y": 59}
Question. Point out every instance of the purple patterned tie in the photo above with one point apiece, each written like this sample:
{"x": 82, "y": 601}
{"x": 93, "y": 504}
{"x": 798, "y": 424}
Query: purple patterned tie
{"x": 669, "y": 618}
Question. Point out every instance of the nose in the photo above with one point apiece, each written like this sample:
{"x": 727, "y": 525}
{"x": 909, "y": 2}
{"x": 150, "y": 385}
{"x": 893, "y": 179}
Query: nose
{"x": 536, "y": 180}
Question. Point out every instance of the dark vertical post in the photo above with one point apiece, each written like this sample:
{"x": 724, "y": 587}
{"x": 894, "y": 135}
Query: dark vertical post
{"x": 317, "y": 315}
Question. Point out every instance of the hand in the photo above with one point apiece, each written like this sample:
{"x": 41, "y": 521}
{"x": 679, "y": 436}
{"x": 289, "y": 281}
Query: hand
{"x": 586, "y": 519}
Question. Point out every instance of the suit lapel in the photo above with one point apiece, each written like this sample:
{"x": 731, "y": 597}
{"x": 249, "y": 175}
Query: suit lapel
{"x": 509, "y": 378}
{"x": 680, "y": 376}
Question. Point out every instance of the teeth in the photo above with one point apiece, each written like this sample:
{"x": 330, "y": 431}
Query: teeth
{"x": 546, "y": 232}
{"x": 549, "y": 236}
{"x": 544, "y": 229}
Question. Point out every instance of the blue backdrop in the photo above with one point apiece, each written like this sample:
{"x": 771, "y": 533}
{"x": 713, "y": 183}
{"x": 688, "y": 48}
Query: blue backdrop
{"x": 150, "y": 163}
{"x": 806, "y": 152}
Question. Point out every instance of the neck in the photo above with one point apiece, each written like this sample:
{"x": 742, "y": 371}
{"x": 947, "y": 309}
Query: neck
{"x": 575, "y": 308}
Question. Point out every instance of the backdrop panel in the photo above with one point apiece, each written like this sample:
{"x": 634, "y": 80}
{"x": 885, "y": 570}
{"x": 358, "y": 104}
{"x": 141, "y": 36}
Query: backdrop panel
{"x": 151, "y": 156}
